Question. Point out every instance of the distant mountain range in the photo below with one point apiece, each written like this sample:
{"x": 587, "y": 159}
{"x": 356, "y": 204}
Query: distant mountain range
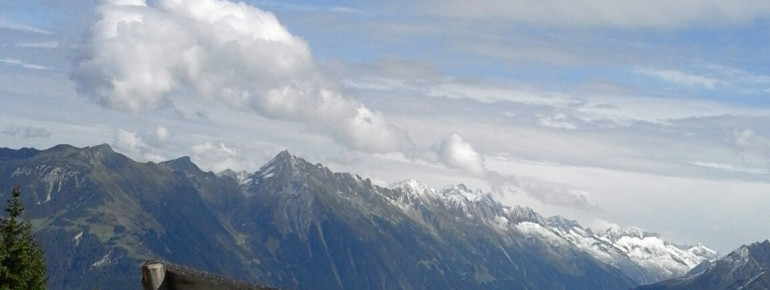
{"x": 293, "y": 224}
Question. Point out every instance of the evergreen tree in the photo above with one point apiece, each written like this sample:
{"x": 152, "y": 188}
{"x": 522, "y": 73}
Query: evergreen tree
{"x": 22, "y": 264}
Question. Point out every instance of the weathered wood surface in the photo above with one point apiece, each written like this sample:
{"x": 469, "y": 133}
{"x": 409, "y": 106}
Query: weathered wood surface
{"x": 160, "y": 275}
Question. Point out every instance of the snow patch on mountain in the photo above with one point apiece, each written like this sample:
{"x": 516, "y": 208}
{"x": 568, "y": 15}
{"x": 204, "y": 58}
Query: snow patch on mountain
{"x": 646, "y": 257}
{"x": 651, "y": 251}
{"x": 537, "y": 230}
{"x": 242, "y": 177}
{"x": 460, "y": 193}
{"x": 77, "y": 238}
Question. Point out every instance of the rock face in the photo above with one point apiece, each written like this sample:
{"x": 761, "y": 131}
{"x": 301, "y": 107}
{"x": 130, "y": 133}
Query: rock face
{"x": 748, "y": 267}
{"x": 291, "y": 224}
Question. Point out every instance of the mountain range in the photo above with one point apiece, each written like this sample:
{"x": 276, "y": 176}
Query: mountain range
{"x": 747, "y": 268}
{"x": 294, "y": 224}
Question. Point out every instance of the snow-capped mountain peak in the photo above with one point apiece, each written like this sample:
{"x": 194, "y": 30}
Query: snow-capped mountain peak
{"x": 561, "y": 223}
{"x": 654, "y": 253}
{"x": 460, "y": 192}
{"x": 414, "y": 188}
{"x": 703, "y": 251}
{"x": 521, "y": 214}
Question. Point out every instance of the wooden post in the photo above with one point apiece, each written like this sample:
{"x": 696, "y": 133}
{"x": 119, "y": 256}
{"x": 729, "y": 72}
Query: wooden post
{"x": 153, "y": 276}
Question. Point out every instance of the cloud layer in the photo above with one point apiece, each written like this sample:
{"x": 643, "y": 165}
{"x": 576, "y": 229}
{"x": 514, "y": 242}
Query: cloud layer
{"x": 558, "y": 194}
{"x": 142, "y": 56}
{"x": 26, "y": 132}
{"x": 636, "y": 13}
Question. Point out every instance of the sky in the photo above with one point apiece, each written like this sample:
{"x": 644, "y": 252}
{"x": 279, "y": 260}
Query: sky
{"x": 653, "y": 114}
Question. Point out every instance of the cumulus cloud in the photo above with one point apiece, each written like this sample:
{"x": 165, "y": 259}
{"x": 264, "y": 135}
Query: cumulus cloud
{"x": 128, "y": 141}
{"x": 456, "y": 153}
{"x": 142, "y": 55}
{"x": 138, "y": 54}
{"x": 132, "y": 144}
{"x": 217, "y": 156}
{"x": 26, "y": 132}
{"x": 368, "y": 131}
{"x": 558, "y": 194}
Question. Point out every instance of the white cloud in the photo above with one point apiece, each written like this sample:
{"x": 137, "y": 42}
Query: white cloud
{"x": 685, "y": 79}
{"x": 748, "y": 141}
{"x": 311, "y": 7}
{"x": 456, "y": 153}
{"x": 133, "y": 145}
{"x": 128, "y": 142}
{"x": 369, "y": 132}
{"x": 217, "y": 156}
{"x": 19, "y": 63}
{"x": 739, "y": 76}
{"x": 142, "y": 56}
{"x": 27, "y": 132}
{"x": 45, "y": 44}
{"x": 487, "y": 93}
{"x": 8, "y": 24}
{"x": 600, "y": 13}
{"x": 558, "y": 194}
{"x": 731, "y": 167}
{"x": 161, "y": 133}
{"x": 751, "y": 146}
{"x": 558, "y": 121}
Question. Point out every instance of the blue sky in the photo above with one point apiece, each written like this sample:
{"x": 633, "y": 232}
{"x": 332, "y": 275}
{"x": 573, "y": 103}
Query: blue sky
{"x": 647, "y": 113}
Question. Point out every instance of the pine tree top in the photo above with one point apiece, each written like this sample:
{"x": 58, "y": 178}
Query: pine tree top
{"x": 22, "y": 261}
